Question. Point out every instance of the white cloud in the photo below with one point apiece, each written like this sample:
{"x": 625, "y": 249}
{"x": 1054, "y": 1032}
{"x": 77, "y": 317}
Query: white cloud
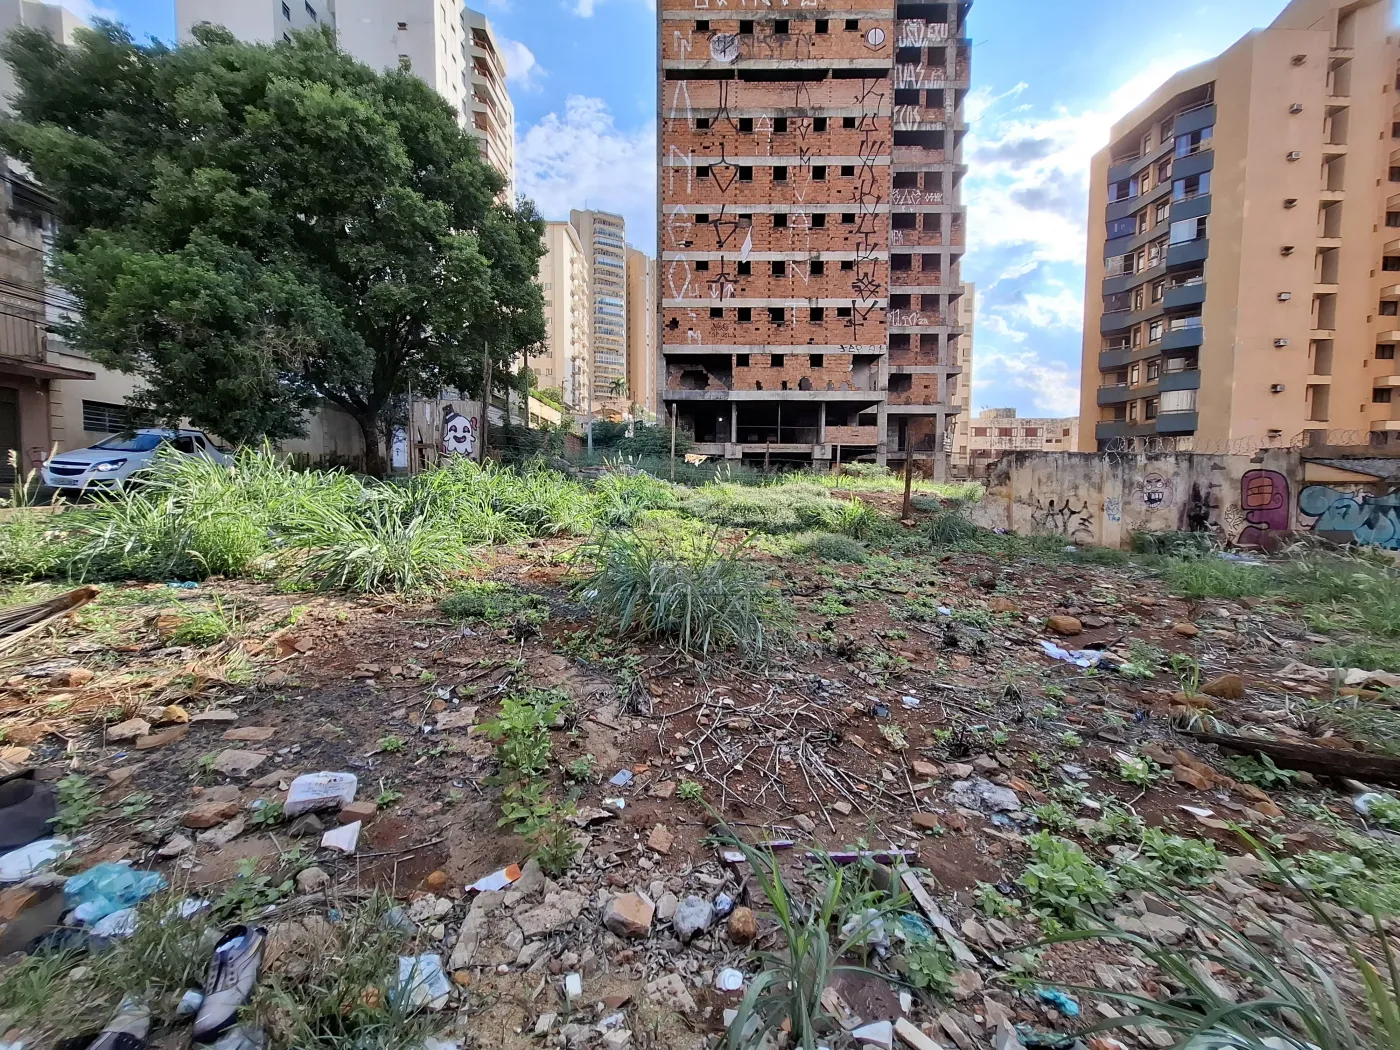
{"x": 522, "y": 68}
{"x": 586, "y": 8}
{"x": 1053, "y": 389}
{"x": 583, "y": 160}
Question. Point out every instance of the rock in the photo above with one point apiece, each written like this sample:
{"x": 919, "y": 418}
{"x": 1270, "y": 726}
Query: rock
{"x": 291, "y": 946}
{"x": 983, "y": 794}
{"x": 461, "y": 718}
{"x": 924, "y": 770}
{"x": 661, "y": 840}
{"x": 666, "y": 906}
{"x": 210, "y": 814}
{"x": 220, "y": 793}
{"x": 173, "y": 714}
{"x": 436, "y": 881}
{"x": 1065, "y": 626}
{"x": 742, "y": 926}
{"x": 629, "y": 915}
{"x": 313, "y": 880}
{"x": 15, "y": 900}
{"x": 170, "y": 736}
{"x": 1159, "y": 754}
{"x": 364, "y": 810}
{"x": 1186, "y": 630}
{"x": 235, "y": 763}
{"x": 1165, "y": 928}
{"x": 843, "y": 808}
{"x": 617, "y": 1039}
{"x": 557, "y": 911}
{"x": 926, "y": 821}
{"x": 694, "y": 916}
{"x": 880, "y": 1034}
{"x": 1225, "y": 687}
{"x": 221, "y": 836}
{"x": 250, "y": 734}
{"x": 966, "y": 984}
{"x": 305, "y": 827}
{"x": 1001, "y": 605}
{"x": 1193, "y": 778}
{"x": 217, "y": 714}
{"x": 671, "y": 992}
{"x": 175, "y": 845}
{"x": 805, "y": 824}
{"x": 125, "y": 732}
{"x": 71, "y": 678}
{"x": 662, "y": 789}
{"x": 985, "y": 764}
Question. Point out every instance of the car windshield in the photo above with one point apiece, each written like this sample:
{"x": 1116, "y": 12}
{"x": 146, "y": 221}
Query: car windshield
{"x": 135, "y": 443}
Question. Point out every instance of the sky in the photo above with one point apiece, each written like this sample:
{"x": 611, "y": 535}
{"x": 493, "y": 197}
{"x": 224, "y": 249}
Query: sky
{"x": 1048, "y": 81}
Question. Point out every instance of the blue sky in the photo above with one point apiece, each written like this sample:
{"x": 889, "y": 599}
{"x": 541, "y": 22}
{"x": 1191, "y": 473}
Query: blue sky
{"x": 1048, "y": 80}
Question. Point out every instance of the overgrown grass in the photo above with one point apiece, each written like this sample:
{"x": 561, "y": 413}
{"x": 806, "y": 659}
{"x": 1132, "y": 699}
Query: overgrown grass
{"x": 702, "y": 600}
{"x": 786, "y": 507}
{"x": 1216, "y": 578}
{"x": 829, "y": 546}
{"x": 496, "y": 604}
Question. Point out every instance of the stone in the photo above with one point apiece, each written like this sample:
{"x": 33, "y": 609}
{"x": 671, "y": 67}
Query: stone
{"x": 173, "y": 714}
{"x": 926, "y": 821}
{"x": 1186, "y": 630}
{"x": 805, "y": 824}
{"x": 544, "y": 1023}
{"x": 742, "y": 926}
{"x": 1065, "y": 626}
{"x": 984, "y": 795}
{"x": 666, "y": 905}
{"x": 671, "y": 992}
{"x": 175, "y": 845}
{"x": 221, "y": 793}
{"x": 966, "y": 984}
{"x": 1193, "y": 778}
{"x": 924, "y": 770}
{"x": 313, "y": 880}
{"x": 1001, "y": 605}
{"x": 170, "y": 736}
{"x": 661, "y": 840}
{"x": 557, "y": 911}
{"x": 364, "y": 810}
{"x": 662, "y": 789}
{"x": 880, "y": 1034}
{"x": 436, "y": 881}
{"x": 210, "y": 814}
{"x": 221, "y": 836}
{"x": 235, "y": 763}
{"x": 305, "y": 827}
{"x": 462, "y": 718}
{"x": 250, "y": 734}
{"x": 1225, "y": 687}
{"x": 1159, "y": 754}
{"x": 985, "y": 764}
{"x": 276, "y": 779}
{"x": 694, "y": 916}
{"x": 629, "y": 915}
{"x": 617, "y": 1039}
{"x": 1165, "y": 928}
{"x": 118, "y": 777}
{"x": 531, "y": 879}
{"x": 125, "y": 732}
{"x": 71, "y": 678}
{"x": 217, "y": 714}
{"x": 15, "y": 900}
{"x": 844, "y": 808}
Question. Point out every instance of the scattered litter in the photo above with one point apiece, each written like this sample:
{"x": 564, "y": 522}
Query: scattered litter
{"x": 315, "y": 791}
{"x": 182, "y": 585}
{"x": 118, "y": 924}
{"x": 1363, "y": 804}
{"x": 724, "y": 904}
{"x": 729, "y": 980}
{"x": 1061, "y": 1001}
{"x": 344, "y": 838}
{"x": 423, "y": 982}
{"x": 615, "y": 803}
{"x": 22, "y": 863}
{"x": 189, "y": 1003}
{"x": 1079, "y": 657}
{"x": 910, "y": 701}
{"x": 497, "y": 880}
{"x": 621, "y": 778}
{"x": 897, "y": 856}
{"x": 573, "y": 987}
{"x": 869, "y": 927}
{"x": 107, "y": 888}
{"x": 984, "y": 795}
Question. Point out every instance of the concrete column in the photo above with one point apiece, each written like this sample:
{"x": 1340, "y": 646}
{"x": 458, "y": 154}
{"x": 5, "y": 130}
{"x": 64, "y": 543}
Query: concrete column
{"x": 733, "y": 423}
{"x": 821, "y": 423}
{"x": 940, "y": 458}
{"x": 882, "y": 419}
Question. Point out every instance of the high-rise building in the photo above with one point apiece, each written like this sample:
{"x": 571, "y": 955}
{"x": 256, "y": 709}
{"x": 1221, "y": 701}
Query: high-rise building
{"x": 450, "y": 47}
{"x": 604, "y": 238}
{"x": 641, "y": 331}
{"x": 959, "y": 454}
{"x": 811, "y": 228}
{"x": 568, "y": 313}
{"x": 1244, "y": 244}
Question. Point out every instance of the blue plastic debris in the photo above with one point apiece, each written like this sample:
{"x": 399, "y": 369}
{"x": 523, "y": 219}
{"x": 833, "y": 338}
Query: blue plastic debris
{"x": 621, "y": 778}
{"x": 182, "y": 585}
{"x": 1061, "y": 1001}
{"x": 108, "y": 888}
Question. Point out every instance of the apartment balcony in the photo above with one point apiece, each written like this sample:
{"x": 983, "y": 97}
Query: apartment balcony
{"x": 1188, "y": 379}
{"x": 1183, "y": 339}
{"x": 1186, "y": 295}
{"x": 1177, "y": 422}
{"x": 1115, "y": 360}
{"x": 1122, "y": 394}
{"x": 1129, "y": 205}
{"x": 1126, "y": 169}
{"x": 1122, "y": 320}
{"x": 1391, "y": 291}
{"x": 1192, "y": 208}
{"x": 1126, "y": 282}
{"x": 1121, "y": 428}
{"x": 1190, "y": 253}
{"x": 1392, "y": 336}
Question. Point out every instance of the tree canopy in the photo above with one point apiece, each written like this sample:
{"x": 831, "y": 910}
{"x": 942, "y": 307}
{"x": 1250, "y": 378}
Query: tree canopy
{"x": 249, "y": 228}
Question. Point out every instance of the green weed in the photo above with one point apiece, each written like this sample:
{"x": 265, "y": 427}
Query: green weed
{"x": 1260, "y": 771}
{"x": 1062, "y": 883}
{"x": 1215, "y": 578}
{"x": 78, "y": 803}
{"x": 496, "y": 604}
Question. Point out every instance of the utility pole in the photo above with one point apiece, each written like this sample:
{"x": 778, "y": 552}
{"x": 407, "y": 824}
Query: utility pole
{"x": 486, "y": 402}
{"x": 673, "y": 441}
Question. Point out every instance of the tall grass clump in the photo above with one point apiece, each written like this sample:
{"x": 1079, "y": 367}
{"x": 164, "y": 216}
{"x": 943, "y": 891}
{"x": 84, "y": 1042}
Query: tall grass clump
{"x": 702, "y": 599}
{"x": 785, "y": 507}
{"x": 619, "y": 498}
{"x": 829, "y": 546}
{"x": 951, "y": 527}
{"x": 1359, "y": 592}
{"x": 1216, "y": 578}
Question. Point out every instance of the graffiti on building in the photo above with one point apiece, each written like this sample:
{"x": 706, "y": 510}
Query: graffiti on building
{"x": 1203, "y": 508}
{"x": 1155, "y": 491}
{"x": 1264, "y": 503}
{"x": 458, "y": 433}
{"x": 1346, "y": 517}
{"x": 1113, "y": 509}
{"x": 1062, "y": 517}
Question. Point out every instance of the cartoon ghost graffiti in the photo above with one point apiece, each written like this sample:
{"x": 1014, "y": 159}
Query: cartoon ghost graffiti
{"x": 458, "y": 433}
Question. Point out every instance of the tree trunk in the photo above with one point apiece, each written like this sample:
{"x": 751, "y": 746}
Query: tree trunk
{"x": 375, "y": 465}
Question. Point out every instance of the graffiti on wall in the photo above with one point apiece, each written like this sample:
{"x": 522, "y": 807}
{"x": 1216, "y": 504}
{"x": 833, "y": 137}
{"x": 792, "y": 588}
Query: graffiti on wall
{"x": 1264, "y": 504}
{"x": 1155, "y": 491}
{"x": 1113, "y": 509}
{"x": 458, "y": 433}
{"x": 1063, "y": 518}
{"x": 1353, "y": 517}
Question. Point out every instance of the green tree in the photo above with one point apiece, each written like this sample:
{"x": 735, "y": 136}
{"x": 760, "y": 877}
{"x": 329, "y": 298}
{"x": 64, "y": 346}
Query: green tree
{"x": 250, "y": 228}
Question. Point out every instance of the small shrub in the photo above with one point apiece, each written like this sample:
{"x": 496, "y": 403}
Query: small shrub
{"x": 1260, "y": 771}
{"x": 78, "y": 803}
{"x": 830, "y": 546}
{"x": 689, "y": 791}
{"x": 1137, "y": 770}
{"x": 204, "y": 627}
{"x": 1062, "y": 882}
{"x": 951, "y": 527}
{"x": 496, "y": 604}
{"x": 619, "y": 499}
{"x": 1163, "y": 857}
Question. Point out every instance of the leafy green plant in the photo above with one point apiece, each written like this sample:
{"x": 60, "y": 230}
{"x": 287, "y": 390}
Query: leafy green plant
{"x": 689, "y": 791}
{"x": 1163, "y": 857}
{"x": 136, "y": 803}
{"x": 928, "y": 968}
{"x": 496, "y": 604}
{"x": 1260, "y": 771}
{"x": 582, "y": 770}
{"x": 830, "y": 546}
{"x": 1143, "y": 660}
{"x": 1071, "y": 739}
{"x": 1054, "y": 816}
{"x": 521, "y": 732}
{"x": 205, "y": 627}
{"x": 268, "y": 815}
{"x": 994, "y": 903}
{"x": 1385, "y": 811}
{"x": 1188, "y": 672}
{"x": 554, "y": 843}
{"x": 1137, "y": 770}
{"x": 1062, "y": 883}
{"x": 390, "y": 744}
{"x": 78, "y": 803}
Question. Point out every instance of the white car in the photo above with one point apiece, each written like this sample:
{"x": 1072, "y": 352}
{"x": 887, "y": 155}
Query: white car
{"x": 110, "y": 463}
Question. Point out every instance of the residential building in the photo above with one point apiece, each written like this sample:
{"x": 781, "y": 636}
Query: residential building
{"x": 1244, "y": 244}
{"x": 811, "y": 227}
{"x": 641, "y": 333}
{"x": 959, "y": 455}
{"x": 568, "y": 316}
{"x": 997, "y": 431}
{"x": 604, "y": 238}
{"x": 452, "y": 48}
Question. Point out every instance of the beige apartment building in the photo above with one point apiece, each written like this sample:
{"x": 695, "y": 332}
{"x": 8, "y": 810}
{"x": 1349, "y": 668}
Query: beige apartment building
{"x": 642, "y": 384}
{"x": 959, "y": 451}
{"x": 1243, "y": 275}
{"x": 604, "y": 238}
{"x": 568, "y": 315}
{"x": 997, "y": 431}
{"x": 452, "y": 48}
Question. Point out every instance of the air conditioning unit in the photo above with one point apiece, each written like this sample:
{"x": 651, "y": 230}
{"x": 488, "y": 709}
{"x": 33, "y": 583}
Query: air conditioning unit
{"x": 1295, "y": 155}
{"x": 1283, "y": 297}
{"x": 1300, "y": 60}
{"x": 1277, "y": 388}
{"x": 1291, "y": 202}
{"x": 1297, "y": 107}
{"x": 1287, "y": 249}
{"x": 1280, "y": 343}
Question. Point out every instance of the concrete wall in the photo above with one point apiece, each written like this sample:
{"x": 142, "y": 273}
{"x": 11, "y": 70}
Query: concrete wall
{"x": 1343, "y": 495}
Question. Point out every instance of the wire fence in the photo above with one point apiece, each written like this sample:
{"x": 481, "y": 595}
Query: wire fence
{"x": 1157, "y": 445}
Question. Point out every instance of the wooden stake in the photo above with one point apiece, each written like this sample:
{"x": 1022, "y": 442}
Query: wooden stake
{"x": 486, "y": 402}
{"x": 908, "y": 481}
{"x": 673, "y": 441}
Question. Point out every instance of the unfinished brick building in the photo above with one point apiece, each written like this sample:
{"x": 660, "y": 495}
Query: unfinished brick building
{"x": 810, "y": 225}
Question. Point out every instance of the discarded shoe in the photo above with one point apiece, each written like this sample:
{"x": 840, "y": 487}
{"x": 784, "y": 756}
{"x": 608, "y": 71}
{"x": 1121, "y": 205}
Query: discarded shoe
{"x": 244, "y": 1037}
{"x": 26, "y": 807}
{"x": 232, "y": 976}
{"x": 128, "y": 1028}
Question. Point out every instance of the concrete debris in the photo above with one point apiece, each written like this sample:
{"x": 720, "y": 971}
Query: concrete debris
{"x": 693, "y": 917}
{"x": 629, "y": 915}
{"x": 984, "y": 795}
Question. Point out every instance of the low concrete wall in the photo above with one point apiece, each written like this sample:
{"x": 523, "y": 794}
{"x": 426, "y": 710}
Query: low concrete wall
{"x": 1346, "y": 495}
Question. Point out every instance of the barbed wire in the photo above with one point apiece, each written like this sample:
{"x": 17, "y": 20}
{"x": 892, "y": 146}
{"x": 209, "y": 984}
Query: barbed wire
{"x": 1158, "y": 445}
